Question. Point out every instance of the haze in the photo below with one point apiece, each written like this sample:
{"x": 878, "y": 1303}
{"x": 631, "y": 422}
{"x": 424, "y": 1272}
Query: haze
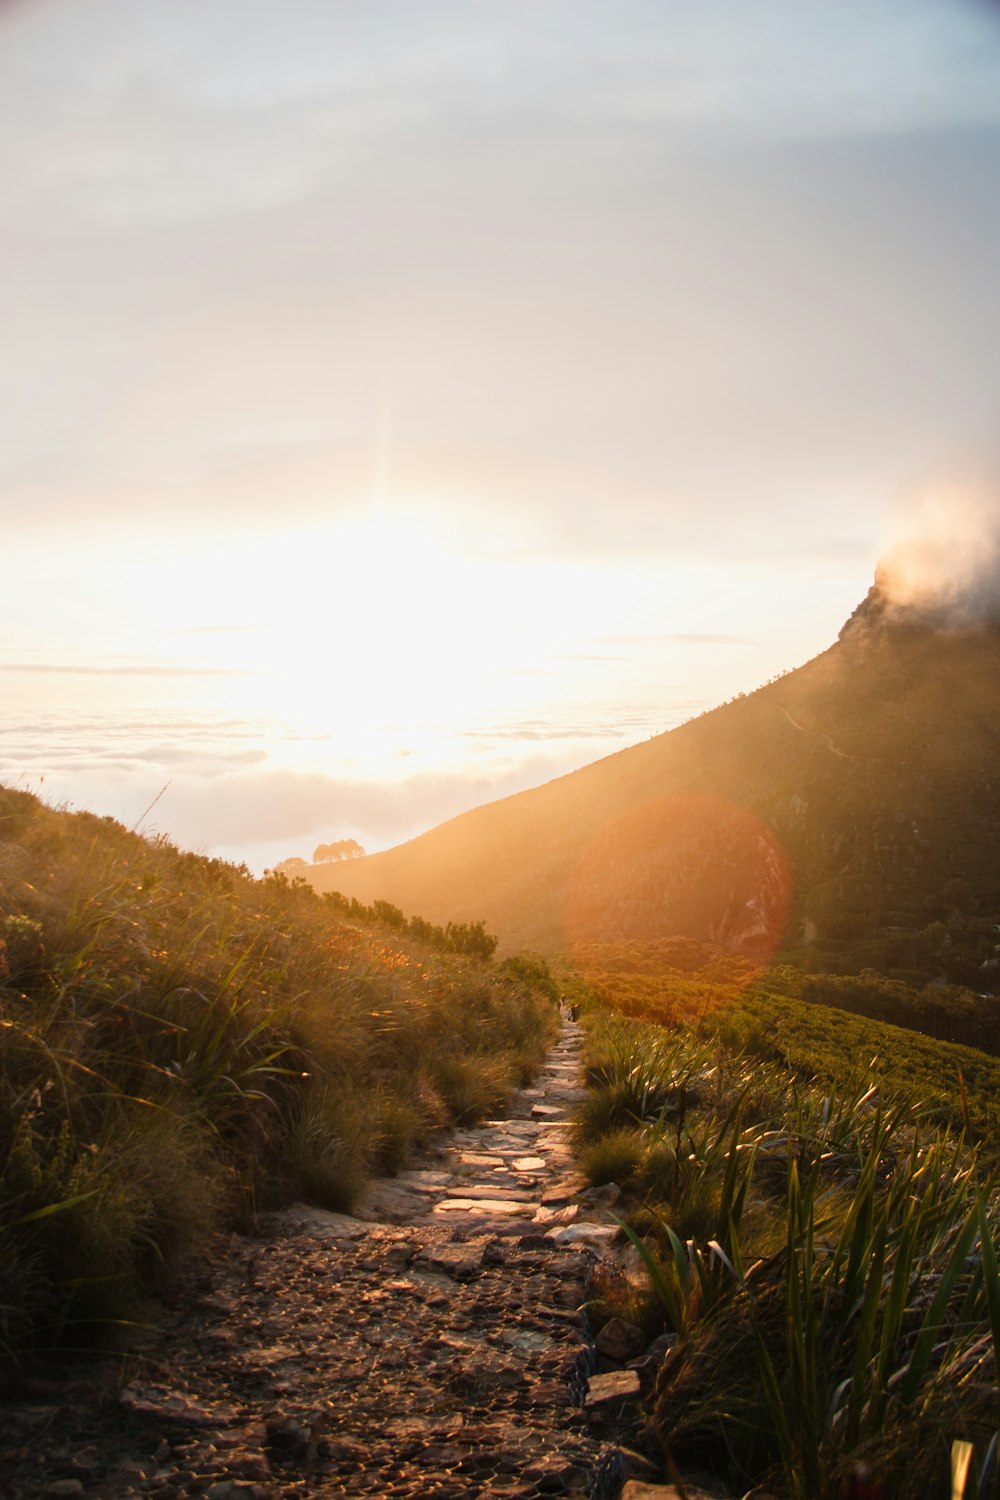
{"x": 403, "y": 404}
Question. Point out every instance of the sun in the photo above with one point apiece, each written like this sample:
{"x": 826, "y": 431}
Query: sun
{"x": 380, "y": 619}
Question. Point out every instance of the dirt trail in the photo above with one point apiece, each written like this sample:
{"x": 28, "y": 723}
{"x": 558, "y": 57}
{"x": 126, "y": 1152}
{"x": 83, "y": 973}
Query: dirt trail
{"x": 430, "y": 1345}
{"x": 817, "y": 734}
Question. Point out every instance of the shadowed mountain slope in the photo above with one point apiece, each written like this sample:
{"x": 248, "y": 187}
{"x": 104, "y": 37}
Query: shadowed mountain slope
{"x": 853, "y": 802}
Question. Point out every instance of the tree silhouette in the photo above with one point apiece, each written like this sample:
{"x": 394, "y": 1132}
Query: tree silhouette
{"x": 325, "y": 854}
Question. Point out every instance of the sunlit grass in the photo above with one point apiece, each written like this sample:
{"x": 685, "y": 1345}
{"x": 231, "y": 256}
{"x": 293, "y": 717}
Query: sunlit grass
{"x": 825, "y": 1256}
{"x": 181, "y": 1046}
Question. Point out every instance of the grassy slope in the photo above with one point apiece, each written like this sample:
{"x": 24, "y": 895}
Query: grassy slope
{"x": 821, "y": 1255}
{"x": 180, "y": 1043}
{"x": 872, "y": 769}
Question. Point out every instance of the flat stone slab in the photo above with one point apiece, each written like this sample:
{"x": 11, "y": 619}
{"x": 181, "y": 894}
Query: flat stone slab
{"x": 490, "y": 1190}
{"x": 529, "y": 1163}
{"x": 327, "y": 1224}
{"x": 619, "y": 1385}
{"x": 546, "y": 1112}
{"x": 565, "y": 1189}
{"x": 499, "y": 1206}
{"x": 459, "y": 1261}
{"x": 389, "y": 1201}
{"x": 597, "y": 1235}
{"x": 425, "y": 1178}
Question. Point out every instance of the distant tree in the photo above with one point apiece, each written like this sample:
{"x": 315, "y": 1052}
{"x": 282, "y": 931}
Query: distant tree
{"x": 342, "y": 849}
{"x": 286, "y": 866}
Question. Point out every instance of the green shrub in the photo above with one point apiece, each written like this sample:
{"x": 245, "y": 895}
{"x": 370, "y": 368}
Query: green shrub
{"x": 614, "y": 1157}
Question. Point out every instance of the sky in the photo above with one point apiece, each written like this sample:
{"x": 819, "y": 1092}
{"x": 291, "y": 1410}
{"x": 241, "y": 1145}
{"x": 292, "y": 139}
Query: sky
{"x": 403, "y": 404}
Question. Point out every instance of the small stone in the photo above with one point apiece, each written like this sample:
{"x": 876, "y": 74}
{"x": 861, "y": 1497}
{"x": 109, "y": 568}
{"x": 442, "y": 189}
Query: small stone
{"x": 547, "y": 1112}
{"x": 618, "y": 1385}
{"x": 621, "y": 1340}
{"x": 63, "y": 1489}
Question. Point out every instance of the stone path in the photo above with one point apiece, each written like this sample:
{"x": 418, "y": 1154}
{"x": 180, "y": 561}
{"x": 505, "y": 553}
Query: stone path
{"x": 433, "y": 1344}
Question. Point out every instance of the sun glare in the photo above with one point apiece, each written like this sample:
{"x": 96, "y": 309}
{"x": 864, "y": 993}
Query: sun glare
{"x": 381, "y": 620}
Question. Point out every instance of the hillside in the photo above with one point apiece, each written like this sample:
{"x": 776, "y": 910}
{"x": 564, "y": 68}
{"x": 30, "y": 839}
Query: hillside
{"x": 847, "y": 813}
{"x": 182, "y": 1045}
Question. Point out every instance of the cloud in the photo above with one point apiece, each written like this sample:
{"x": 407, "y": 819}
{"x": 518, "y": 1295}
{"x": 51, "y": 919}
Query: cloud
{"x": 131, "y": 669}
{"x": 945, "y": 560}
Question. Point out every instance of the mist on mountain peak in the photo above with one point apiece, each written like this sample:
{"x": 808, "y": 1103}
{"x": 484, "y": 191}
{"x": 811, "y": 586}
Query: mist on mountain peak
{"x": 942, "y": 572}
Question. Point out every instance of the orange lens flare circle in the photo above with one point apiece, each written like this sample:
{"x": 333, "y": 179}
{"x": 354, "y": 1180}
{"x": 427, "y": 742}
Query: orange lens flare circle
{"x": 676, "y": 884}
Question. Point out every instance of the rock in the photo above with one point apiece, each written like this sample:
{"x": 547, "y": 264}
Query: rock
{"x": 458, "y": 1261}
{"x": 638, "y": 1489}
{"x": 619, "y": 1385}
{"x": 552, "y": 1472}
{"x": 547, "y": 1112}
{"x": 386, "y": 1201}
{"x": 484, "y": 1206}
{"x": 502, "y": 1191}
{"x": 425, "y": 1178}
{"x": 596, "y": 1235}
{"x": 325, "y": 1224}
{"x": 550, "y": 1218}
{"x": 174, "y": 1406}
{"x": 620, "y": 1340}
{"x": 63, "y": 1489}
{"x": 606, "y": 1195}
{"x": 563, "y": 1190}
{"x": 647, "y": 1370}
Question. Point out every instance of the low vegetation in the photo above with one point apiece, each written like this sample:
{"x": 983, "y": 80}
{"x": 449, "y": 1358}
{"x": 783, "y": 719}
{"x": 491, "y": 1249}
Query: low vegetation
{"x": 820, "y": 1246}
{"x": 824, "y": 1258}
{"x": 182, "y": 1045}
{"x": 936, "y": 1044}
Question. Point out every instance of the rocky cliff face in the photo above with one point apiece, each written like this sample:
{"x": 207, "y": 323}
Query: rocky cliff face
{"x": 889, "y": 605}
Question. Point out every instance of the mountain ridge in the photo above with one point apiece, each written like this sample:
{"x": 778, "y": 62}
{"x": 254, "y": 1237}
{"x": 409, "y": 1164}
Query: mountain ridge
{"x": 866, "y": 780}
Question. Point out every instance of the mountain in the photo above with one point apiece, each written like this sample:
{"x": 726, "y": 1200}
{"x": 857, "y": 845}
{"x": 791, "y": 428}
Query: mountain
{"x": 847, "y": 813}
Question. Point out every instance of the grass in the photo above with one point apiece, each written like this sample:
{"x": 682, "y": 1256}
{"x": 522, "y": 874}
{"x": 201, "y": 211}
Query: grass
{"x": 182, "y": 1045}
{"x": 825, "y": 1253}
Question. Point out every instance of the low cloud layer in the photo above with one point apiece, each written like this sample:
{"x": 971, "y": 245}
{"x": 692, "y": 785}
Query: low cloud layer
{"x": 219, "y": 790}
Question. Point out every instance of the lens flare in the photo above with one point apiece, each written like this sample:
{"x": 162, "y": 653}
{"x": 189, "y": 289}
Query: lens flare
{"x": 686, "y": 884}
